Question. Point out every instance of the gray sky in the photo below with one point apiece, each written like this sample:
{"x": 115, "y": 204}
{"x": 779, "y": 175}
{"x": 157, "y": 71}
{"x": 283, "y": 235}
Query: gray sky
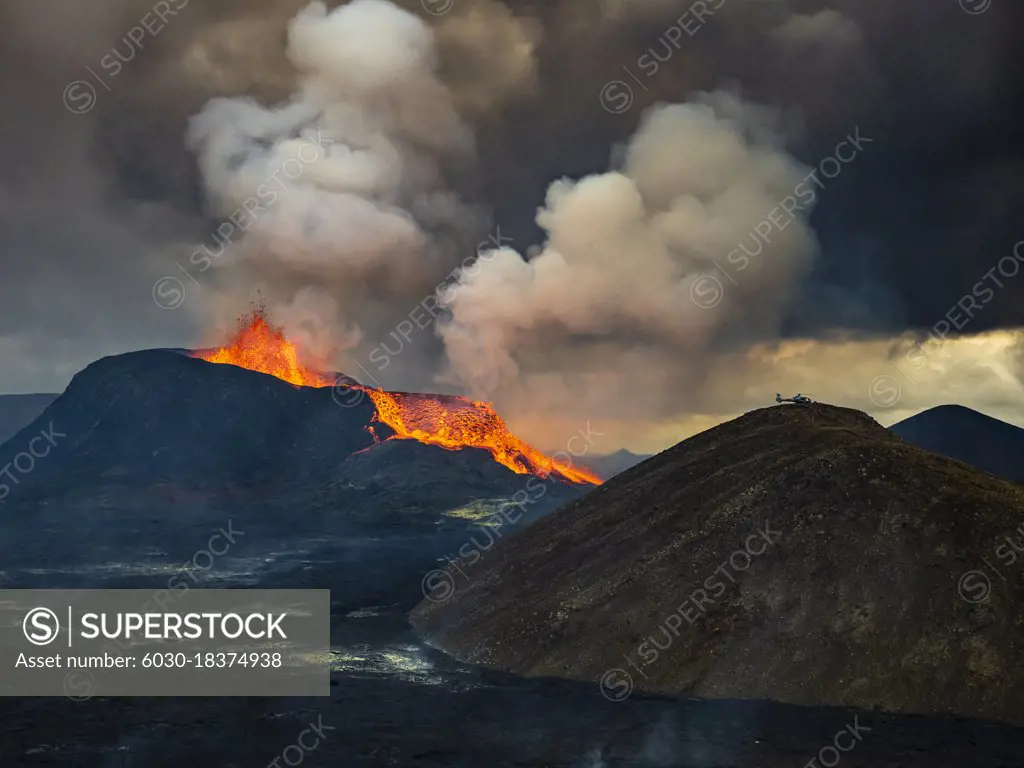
{"x": 97, "y": 205}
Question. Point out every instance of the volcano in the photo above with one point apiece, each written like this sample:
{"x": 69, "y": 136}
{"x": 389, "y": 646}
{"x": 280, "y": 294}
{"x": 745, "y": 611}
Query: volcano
{"x": 250, "y": 421}
{"x": 153, "y": 428}
{"x": 445, "y": 421}
{"x": 802, "y": 554}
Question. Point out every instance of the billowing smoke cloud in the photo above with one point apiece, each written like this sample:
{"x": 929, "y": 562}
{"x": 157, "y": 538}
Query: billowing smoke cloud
{"x": 339, "y": 205}
{"x": 488, "y": 56}
{"x": 648, "y": 272}
{"x": 341, "y": 195}
{"x": 95, "y": 206}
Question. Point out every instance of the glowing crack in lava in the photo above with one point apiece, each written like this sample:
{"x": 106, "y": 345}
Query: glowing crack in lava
{"x": 446, "y": 421}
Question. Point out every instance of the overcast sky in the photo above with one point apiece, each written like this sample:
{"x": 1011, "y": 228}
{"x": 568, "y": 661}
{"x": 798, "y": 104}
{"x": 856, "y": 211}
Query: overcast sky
{"x": 116, "y": 167}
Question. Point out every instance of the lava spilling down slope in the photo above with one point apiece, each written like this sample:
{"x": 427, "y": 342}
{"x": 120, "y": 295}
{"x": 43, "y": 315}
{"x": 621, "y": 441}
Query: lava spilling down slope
{"x": 445, "y": 421}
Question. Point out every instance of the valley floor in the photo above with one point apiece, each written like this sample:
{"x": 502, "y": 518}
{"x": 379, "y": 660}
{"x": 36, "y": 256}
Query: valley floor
{"x": 397, "y": 702}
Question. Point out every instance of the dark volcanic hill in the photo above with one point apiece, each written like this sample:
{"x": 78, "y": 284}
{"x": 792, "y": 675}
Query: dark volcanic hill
{"x": 18, "y": 410}
{"x": 158, "y": 415}
{"x": 160, "y": 418}
{"x": 797, "y": 553}
{"x": 968, "y": 436}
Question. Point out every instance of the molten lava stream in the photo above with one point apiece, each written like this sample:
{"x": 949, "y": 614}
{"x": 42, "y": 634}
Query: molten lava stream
{"x": 454, "y": 422}
{"x": 446, "y": 421}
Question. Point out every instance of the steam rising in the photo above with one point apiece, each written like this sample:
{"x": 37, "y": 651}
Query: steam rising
{"x": 352, "y": 221}
{"x": 612, "y": 316}
{"x": 655, "y": 287}
{"x": 341, "y": 190}
{"x": 347, "y": 250}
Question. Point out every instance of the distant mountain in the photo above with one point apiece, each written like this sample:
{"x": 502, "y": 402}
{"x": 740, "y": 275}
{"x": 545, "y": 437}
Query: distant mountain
{"x": 17, "y": 411}
{"x": 613, "y": 463}
{"x": 166, "y": 422}
{"x": 968, "y": 436}
{"x": 798, "y": 553}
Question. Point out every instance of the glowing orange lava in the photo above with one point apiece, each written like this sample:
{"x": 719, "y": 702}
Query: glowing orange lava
{"x": 455, "y": 423}
{"x": 446, "y": 421}
{"x": 259, "y": 346}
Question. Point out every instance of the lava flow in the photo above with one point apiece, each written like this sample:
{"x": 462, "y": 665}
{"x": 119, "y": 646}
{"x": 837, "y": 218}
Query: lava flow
{"x": 449, "y": 422}
{"x": 455, "y": 422}
{"x": 259, "y": 346}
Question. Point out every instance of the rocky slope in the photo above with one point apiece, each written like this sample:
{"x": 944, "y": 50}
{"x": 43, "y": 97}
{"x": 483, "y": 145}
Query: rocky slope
{"x": 797, "y": 553}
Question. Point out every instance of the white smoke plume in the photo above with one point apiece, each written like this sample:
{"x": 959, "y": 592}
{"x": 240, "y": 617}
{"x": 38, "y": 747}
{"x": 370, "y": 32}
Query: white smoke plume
{"x": 341, "y": 191}
{"x": 649, "y": 271}
{"x": 652, "y": 275}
